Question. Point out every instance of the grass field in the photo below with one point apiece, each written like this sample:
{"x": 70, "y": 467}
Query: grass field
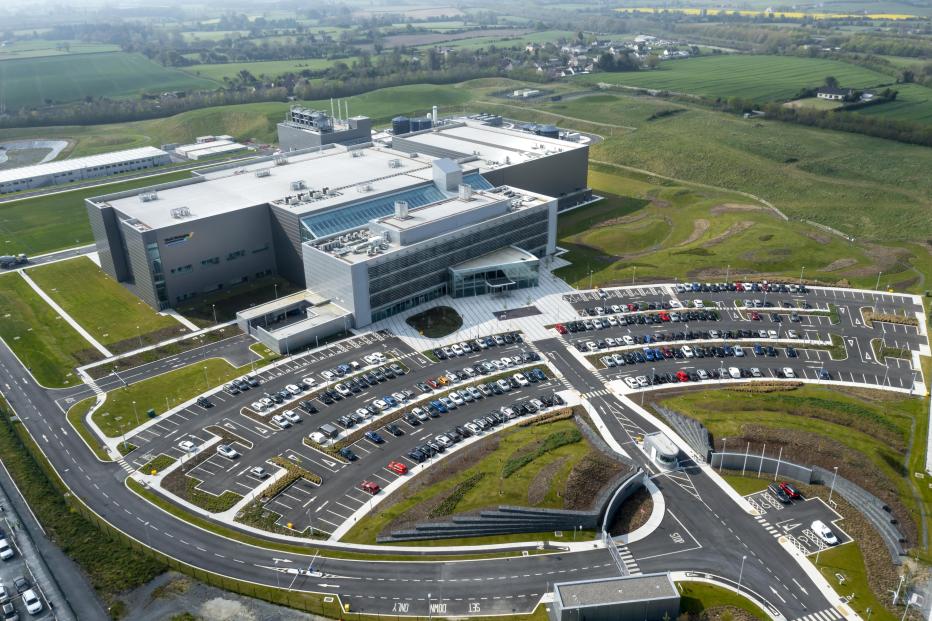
{"x": 47, "y": 223}
{"x": 696, "y": 597}
{"x": 644, "y": 231}
{"x": 761, "y": 78}
{"x": 477, "y": 481}
{"x": 382, "y": 105}
{"x": 36, "y": 48}
{"x": 913, "y": 103}
{"x": 163, "y": 392}
{"x": 30, "y": 82}
{"x": 102, "y": 306}
{"x": 43, "y": 341}
{"x": 271, "y": 68}
{"x": 807, "y": 173}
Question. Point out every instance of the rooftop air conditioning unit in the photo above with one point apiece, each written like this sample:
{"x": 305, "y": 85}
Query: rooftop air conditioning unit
{"x": 180, "y": 212}
{"x": 401, "y": 210}
{"x": 281, "y": 160}
{"x": 395, "y": 163}
{"x": 465, "y": 192}
{"x": 297, "y": 185}
{"x": 264, "y": 172}
{"x": 147, "y": 197}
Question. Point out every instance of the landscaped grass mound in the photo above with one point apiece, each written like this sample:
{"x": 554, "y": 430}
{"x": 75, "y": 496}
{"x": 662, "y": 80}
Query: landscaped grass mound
{"x": 436, "y": 322}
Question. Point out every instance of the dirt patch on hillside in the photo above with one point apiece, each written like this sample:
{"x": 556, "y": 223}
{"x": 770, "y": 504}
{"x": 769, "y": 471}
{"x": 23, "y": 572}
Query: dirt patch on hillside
{"x": 540, "y": 485}
{"x": 883, "y": 259}
{"x": 731, "y": 231}
{"x": 731, "y": 207}
{"x": 700, "y": 226}
{"x": 662, "y": 204}
{"x": 839, "y": 264}
{"x": 629, "y": 219}
{"x": 822, "y": 238}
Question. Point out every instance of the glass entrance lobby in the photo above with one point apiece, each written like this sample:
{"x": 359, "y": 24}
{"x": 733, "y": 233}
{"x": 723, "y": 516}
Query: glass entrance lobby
{"x": 503, "y": 270}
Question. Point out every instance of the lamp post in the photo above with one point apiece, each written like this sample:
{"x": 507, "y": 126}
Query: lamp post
{"x": 832, "y": 489}
{"x": 741, "y": 571}
{"x": 206, "y": 381}
{"x": 801, "y": 274}
{"x": 877, "y": 286}
{"x": 428, "y": 607}
{"x": 214, "y": 307}
{"x": 136, "y": 413}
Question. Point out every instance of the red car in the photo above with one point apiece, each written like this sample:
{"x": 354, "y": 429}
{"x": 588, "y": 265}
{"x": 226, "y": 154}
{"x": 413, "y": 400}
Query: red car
{"x": 790, "y": 491}
{"x": 664, "y": 317}
{"x": 370, "y": 487}
{"x": 755, "y": 316}
{"x": 561, "y": 328}
{"x": 397, "y": 467}
{"x": 432, "y": 384}
{"x": 681, "y": 376}
{"x": 739, "y": 286}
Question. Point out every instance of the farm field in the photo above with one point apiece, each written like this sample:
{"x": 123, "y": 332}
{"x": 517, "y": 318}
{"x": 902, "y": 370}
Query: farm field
{"x": 272, "y": 68}
{"x": 38, "y": 48}
{"x": 913, "y": 103}
{"x": 47, "y": 223}
{"x": 32, "y": 81}
{"x": 103, "y": 307}
{"x": 46, "y": 344}
{"x": 760, "y": 78}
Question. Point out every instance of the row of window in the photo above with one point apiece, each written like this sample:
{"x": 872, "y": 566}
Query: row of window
{"x": 67, "y": 173}
{"x": 184, "y": 269}
{"x": 211, "y": 288}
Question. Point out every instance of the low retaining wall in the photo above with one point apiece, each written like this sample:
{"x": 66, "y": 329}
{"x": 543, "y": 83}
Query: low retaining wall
{"x": 751, "y": 464}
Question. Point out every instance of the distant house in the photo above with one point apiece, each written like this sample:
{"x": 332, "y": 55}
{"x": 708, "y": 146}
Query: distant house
{"x": 834, "y": 94}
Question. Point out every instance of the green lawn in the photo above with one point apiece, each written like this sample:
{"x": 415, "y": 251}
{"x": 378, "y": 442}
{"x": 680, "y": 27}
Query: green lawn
{"x": 848, "y": 561}
{"x": 76, "y": 415}
{"x": 480, "y": 484}
{"x": 163, "y": 392}
{"x": 436, "y": 322}
{"x": 47, "y": 223}
{"x": 34, "y": 48}
{"x": 31, "y": 81}
{"x": 102, "y": 306}
{"x": 760, "y": 78}
{"x": 696, "y": 597}
{"x": 271, "y": 68}
{"x": 43, "y": 341}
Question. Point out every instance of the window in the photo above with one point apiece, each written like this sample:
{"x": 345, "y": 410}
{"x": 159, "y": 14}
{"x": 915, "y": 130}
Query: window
{"x": 262, "y": 249}
{"x": 236, "y": 255}
{"x": 176, "y": 239}
{"x": 184, "y": 269}
{"x": 211, "y": 261}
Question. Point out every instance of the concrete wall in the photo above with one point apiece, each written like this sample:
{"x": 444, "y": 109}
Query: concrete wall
{"x": 344, "y": 284}
{"x": 561, "y": 175}
{"x": 109, "y": 241}
{"x": 751, "y": 464}
{"x": 140, "y": 274}
{"x": 291, "y": 138}
{"x": 309, "y": 337}
{"x": 651, "y": 610}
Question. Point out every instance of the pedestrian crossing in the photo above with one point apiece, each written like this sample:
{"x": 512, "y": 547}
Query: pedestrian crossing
{"x": 597, "y": 393}
{"x": 628, "y": 559}
{"x": 768, "y": 527}
{"x": 123, "y": 464}
{"x": 829, "y": 614}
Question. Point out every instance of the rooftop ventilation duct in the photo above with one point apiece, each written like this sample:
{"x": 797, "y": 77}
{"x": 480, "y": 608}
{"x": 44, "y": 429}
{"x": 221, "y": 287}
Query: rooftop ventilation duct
{"x": 401, "y": 209}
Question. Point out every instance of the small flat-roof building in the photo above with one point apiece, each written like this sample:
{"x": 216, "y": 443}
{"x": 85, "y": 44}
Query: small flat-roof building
{"x": 81, "y": 168}
{"x": 304, "y": 128}
{"x": 646, "y": 597}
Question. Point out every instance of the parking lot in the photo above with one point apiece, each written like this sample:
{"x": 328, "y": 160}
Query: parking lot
{"x": 794, "y": 520}
{"x": 324, "y": 508}
{"x": 15, "y": 579}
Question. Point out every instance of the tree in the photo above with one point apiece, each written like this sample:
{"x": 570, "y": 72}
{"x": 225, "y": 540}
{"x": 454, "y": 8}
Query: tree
{"x": 831, "y": 81}
{"x": 653, "y": 61}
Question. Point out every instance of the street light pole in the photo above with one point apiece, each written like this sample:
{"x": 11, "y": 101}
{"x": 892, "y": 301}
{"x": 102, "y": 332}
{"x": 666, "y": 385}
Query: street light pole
{"x": 741, "y": 572}
{"x": 830, "y": 491}
{"x": 428, "y": 607}
{"x": 214, "y": 307}
{"x": 801, "y": 274}
{"x": 877, "y": 286}
{"x": 136, "y": 412}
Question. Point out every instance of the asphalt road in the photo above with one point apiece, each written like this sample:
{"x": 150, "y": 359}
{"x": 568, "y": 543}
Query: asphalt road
{"x": 702, "y": 531}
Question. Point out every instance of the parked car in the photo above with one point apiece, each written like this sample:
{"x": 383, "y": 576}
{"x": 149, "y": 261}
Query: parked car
{"x": 824, "y": 533}
{"x": 397, "y": 467}
{"x": 187, "y": 446}
{"x": 32, "y": 602}
{"x": 227, "y": 451}
{"x": 790, "y": 490}
{"x": 258, "y": 472}
{"x": 6, "y": 550}
{"x": 777, "y": 492}
{"x": 370, "y": 487}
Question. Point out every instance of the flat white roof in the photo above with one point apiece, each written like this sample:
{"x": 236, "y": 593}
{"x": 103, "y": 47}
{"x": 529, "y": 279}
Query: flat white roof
{"x": 102, "y": 159}
{"x": 236, "y": 188}
{"x": 492, "y": 144}
{"x": 502, "y": 256}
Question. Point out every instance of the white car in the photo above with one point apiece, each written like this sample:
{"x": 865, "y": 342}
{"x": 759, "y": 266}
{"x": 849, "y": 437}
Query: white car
{"x": 421, "y": 414}
{"x": 457, "y": 349}
{"x": 227, "y": 451}
{"x": 374, "y": 358}
{"x": 266, "y": 402}
{"x": 756, "y": 372}
{"x": 734, "y": 372}
{"x": 676, "y": 304}
{"x": 788, "y": 372}
{"x": 687, "y": 351}
{"x": 698, "y": 304}
{"x": 32, "y": 601}
{"x": 473, "y": 428}
{"x": 6, "y": 551}
{"x": 537, "y": 403}
{"x": 631, "y": 382}
{"x": 591, "y": 346}
{"x": 824, "y": 533}
{"x": 328, "y": 375}
{"x": 619, "y": 360}
{"x": 318, "y": 437}
{"x": 612, "y": 321}
{"x": 308, "y": 382}
{"x": 642, "y": 381}
{"x": 444, "y": 440}
{"x": 380, "y": 405}
{"x": 771, "y": 334}
{"x": 258, "y": 472}
{"x": 507, "y": 412}
{"x": 363, "y": 413}
{"x": 628, "y": 339}
{"x": 293, "y": 389}
{"x": 702, "y": 374}
{"x": 739, "y": 351}
{"x": 399, "y": 397}
{"x": 257, "y": 406}
{"x": 292, "y": 416}
{"x": 608, "y": 361}
{"x": 187, "y": 446}
{"x": 456, "y": 398}
{"x": 505, "y": 386}
{"x": 343, "y": 390}
{"x": 792, "y": 334}
{"x": 281, "y": 421}
{"x": 522, "y": 381}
